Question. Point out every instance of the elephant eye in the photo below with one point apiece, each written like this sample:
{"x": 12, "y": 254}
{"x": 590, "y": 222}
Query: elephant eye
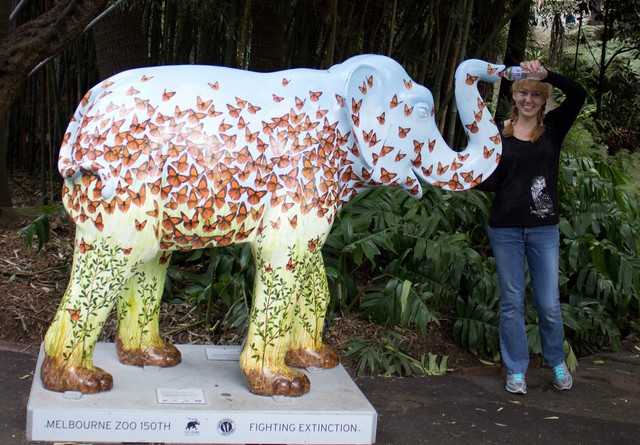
{"x": 422, "y": 112}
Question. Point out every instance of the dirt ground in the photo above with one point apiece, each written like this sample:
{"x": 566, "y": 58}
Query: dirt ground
{"x": 35, "y": 280}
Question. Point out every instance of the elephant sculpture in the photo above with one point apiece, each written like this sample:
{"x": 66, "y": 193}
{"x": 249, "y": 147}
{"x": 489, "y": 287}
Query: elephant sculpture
{"x": 184, "y": 157}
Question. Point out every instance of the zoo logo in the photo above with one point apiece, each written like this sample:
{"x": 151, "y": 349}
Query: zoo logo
{"x": 192, "y": 427}
{"x": 226, "y": 427}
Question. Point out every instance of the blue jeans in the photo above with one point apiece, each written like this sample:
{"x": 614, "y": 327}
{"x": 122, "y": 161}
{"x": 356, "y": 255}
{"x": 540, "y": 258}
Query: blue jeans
{"x": 539, "y": 246}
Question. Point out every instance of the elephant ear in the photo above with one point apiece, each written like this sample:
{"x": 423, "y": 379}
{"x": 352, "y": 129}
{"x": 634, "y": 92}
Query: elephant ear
{"x": 367, "y": 102}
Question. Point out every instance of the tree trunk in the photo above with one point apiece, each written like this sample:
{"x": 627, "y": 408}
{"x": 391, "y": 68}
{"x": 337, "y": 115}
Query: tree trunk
{"x": 516, "y": 45}
{"x": 267, "y": 44}
{"x": 5, "y": 196}
{"x": 606, "y": 35}
{"x": 119, "y": 41}
{"x": 31, "y": 43}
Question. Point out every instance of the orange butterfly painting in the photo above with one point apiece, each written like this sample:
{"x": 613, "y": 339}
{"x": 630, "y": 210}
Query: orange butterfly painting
{"x": 224, "y": 127}
{"x": 211, "y": 112}
{"x": 355, "y": 106}
{"x": 178, "y": 114}
{"x": 473, "y": 127}
{"x": 241, "y": 213}
{"x": 467, "y": 176}
{"x": 254, "y": 196}
{"x": 223, "y": 240}
{"x": 321, "y": 113}
{"x": 140, "y": 225}
{"x": 300, "y": 103}
{"x": 98, "y": 222}
{"x": 174, "y": 178}
{"x": 312, "y": 244}
{"x": 138, "y": 127}
{"x": 139, "y": 198}
{"x": 487, "y": 153}
{"x": 166, "y": 96}
{"x": 243, "y": 234}
{"x": 403, "y": 132}
{"x": 242, "y": 124}
{"x": 74, "y": 314}
{"x": 190, "y": 223}
{"x": 470, "y": 80}
{"x": 195, "y": 117}
{"x": 235, "y": 190}
{"x": 141, "y": 104}
{"x": 454, "y": 183}
{"x": 203, "y": 105}
{"x": 417, "y": 162}
{"x": 386, "y": 177}
{"x": 229, "y": 141}
{"x": 407, "y": 110}
{"x": 84, "y": 247}
{"x": 234, "y": 111}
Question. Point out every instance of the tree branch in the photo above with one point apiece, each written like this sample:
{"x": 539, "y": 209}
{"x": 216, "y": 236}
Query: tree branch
{"x": 37, "y": 39}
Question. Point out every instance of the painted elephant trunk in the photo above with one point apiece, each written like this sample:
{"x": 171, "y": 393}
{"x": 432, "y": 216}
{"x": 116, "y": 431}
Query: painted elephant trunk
{"x": 463, "y": 170}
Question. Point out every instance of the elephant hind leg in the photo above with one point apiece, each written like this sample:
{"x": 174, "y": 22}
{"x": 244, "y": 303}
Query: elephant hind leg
{"x": 307, "y": 349}
{"x": 138, "y": 341}
{"x": 163, "y": 354}
{"x": 61, "y": 377}
{"x": 321, "y": 357}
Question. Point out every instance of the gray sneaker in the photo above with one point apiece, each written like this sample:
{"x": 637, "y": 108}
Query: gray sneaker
{"x": 516, "y": 384}
{"x": 562, "y": 378}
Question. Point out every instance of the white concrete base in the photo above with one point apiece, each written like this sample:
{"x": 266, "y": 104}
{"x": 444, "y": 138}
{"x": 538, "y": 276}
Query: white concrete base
{"x": 202, "y": 400}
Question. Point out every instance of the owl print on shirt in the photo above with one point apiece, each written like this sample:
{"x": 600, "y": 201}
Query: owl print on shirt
{"x": 542, "y": 205}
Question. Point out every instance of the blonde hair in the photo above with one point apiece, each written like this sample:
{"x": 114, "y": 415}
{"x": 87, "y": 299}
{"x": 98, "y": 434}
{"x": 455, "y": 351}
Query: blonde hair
{"x": 534, "y": 86}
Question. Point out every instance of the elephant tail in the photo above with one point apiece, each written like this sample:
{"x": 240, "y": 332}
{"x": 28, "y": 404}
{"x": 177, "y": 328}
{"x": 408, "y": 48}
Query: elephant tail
{"x": 72, "y": 161}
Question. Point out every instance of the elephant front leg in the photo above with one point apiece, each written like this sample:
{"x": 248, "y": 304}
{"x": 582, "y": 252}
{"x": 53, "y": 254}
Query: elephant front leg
{"x": 99, "y": 273}
{"x": 262, "y": 360}
{"x": 306, "y": 349}
{"x": 138, "y": 342}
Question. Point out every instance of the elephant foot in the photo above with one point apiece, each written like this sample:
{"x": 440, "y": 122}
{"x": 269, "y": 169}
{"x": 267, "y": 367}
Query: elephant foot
{"x": 279, "y": 383}
{"x": 58, "y": 377}
{"x": 325, "y": 357}
{"x": 164, "y": 356}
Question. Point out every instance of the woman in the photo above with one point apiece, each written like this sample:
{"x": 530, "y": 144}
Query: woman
{"x": 523, "y": 223}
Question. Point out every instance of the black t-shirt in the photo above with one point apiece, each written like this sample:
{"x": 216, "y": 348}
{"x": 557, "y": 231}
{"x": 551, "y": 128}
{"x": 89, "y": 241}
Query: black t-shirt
{"x": 526, "y": 179}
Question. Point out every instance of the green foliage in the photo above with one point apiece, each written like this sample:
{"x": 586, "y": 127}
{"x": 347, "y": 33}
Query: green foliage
{"x": 386, "y": 356}
{"x": 599, "y": 263}
{"x": 402, "y": 262}
{"x": 222, "y": 291}
{"x": 39, "y": 228}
